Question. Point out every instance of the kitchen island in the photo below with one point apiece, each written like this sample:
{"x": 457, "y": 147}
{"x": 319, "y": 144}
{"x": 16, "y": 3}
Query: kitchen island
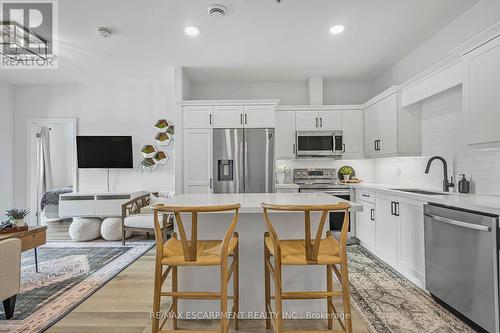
{"x": 251, "y": 230}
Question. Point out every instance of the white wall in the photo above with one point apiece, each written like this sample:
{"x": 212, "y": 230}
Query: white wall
{"x": 6, "y": 148}
{"x": 443, "y": 134}
{"x": 477, "y": 19}
{"x": 289, "y": 93}
{"x": 346, "y": 92}
{"x": 100, "y": 110}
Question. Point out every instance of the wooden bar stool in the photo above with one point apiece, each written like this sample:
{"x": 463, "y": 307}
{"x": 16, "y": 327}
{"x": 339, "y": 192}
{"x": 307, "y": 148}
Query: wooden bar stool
{"x": 174, "y": 253}
{"x": 328, "y": 252}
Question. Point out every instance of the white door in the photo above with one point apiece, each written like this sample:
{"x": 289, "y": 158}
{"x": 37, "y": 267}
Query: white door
{"x": 306, "y": 120}
{"x": 412, "y": 252}
{"x": 228, "y": 116}
{"x": 372, "y": 129}
{"x": 481, "y": 99}
{"x": 197, "y": 116}
{"x": 198, "y": 161}
{"x": 352, "y": 126}
{"x": 369, "y": 215}
{"x": 330, "y": 120}
{"x": 259, "y": 116}
{"x": 386, "y": 231}
{"x": 389, "y": 125}
{"x": 285, "y": 134}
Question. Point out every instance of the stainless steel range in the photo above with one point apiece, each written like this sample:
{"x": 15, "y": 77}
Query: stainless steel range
{"x": 323, "y": 181}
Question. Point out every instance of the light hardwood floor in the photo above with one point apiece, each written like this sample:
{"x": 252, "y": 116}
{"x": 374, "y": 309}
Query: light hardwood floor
{"x": 124, "y": 304}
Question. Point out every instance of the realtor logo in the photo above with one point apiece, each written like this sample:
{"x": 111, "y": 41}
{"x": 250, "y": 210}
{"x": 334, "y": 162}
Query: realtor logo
{"x": 28, "y": 30}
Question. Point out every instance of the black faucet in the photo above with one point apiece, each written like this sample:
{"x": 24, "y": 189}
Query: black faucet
{"x": 446, "y": 184}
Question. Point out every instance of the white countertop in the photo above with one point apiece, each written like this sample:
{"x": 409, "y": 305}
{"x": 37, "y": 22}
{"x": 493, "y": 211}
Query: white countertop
{"x": 251, "y": 202}
{"x": 477, "y": 202}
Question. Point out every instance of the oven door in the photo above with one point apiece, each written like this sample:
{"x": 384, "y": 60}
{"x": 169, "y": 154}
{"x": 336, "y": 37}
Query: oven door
{"x": 315, "y": 143}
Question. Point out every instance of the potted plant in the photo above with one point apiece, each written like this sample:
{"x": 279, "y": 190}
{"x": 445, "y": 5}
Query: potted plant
{"x": 163, "y": 138}
{"x": 346, "y": 172}
{"x": 160, "y": 157}
{"x": 147, "y": 164}
{"x": 162, "y": 125}
{"x": 148, "y": 151}
{"x": 16, "y": 216}
{"x": 281, "y": 173}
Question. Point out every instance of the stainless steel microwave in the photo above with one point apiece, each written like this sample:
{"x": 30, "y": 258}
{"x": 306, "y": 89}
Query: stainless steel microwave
{"x": 319, "y": 143}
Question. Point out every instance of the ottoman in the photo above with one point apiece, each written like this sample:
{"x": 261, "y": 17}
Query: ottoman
{"x": 85, "y": 229}
{"x": 111, "y": 229}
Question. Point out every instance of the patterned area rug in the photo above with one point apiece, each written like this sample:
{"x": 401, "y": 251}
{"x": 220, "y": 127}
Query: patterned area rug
{"x": 387, "y": 302}
{"x": 69, "y": 273}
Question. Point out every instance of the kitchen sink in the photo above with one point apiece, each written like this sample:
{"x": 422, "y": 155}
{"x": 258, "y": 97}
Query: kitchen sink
{"x": 417, "y": 191}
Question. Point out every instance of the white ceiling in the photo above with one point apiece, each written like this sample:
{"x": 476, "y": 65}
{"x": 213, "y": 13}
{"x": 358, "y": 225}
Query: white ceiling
{"x": 257, "y": 40}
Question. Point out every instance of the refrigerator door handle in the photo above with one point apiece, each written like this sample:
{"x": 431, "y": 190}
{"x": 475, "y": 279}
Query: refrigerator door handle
{"x": 245, "y": 168}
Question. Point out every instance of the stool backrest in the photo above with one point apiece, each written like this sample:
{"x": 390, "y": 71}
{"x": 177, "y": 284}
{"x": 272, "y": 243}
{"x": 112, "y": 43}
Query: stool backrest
{"x": 189, "y": 247}
{"x": 311, "y": 245}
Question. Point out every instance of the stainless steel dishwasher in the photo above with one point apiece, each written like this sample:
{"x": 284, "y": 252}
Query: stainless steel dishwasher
{"x": 461, "y": 262}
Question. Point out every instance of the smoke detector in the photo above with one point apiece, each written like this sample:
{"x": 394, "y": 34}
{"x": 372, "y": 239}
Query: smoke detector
{"x": 104, "y": 32}
{"x": 217, "y": 11}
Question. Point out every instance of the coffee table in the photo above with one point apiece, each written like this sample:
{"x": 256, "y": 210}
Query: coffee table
{"x": 30, "y": 239}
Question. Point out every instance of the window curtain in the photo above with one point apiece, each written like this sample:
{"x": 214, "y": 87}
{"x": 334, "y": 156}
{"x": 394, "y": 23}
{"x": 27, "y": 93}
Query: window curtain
{"x": 45, "y": 182}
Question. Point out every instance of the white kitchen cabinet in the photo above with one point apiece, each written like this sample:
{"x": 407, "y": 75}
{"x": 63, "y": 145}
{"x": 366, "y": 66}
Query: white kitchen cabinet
{"x": 386, "y": 232}
{"x": 259, "y": 116}
{"x": 480, "y": 93}
{"x": 391, "y": 130}
{"x": 319, "y": 121}
{"x": 228, "y": 116}
{"x": 352, "y": 126}
{"x": 369, "y": 225}
{"x": 388, "y": 123}
{"x": 330, "y": 120}
{"x": 197, "y": 148}
{"x": 372, "y": 129}
{"x": 306, "y": 120}
{"x": 285, "y": 134}
{"x": 194, "y": 116}
{"x": 411, "y": 250}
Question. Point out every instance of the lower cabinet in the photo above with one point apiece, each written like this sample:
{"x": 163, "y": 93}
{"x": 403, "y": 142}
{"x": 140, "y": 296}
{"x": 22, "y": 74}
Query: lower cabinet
{"x": 386, "y": 233}
{"x": 412, "y": 242}
{"x": 392, "y": 228}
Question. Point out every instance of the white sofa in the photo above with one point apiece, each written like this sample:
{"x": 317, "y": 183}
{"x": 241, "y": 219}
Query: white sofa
{"x": 10, "y": 274}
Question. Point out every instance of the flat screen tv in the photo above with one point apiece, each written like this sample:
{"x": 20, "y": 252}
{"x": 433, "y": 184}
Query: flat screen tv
{"x": 104, "y": 152}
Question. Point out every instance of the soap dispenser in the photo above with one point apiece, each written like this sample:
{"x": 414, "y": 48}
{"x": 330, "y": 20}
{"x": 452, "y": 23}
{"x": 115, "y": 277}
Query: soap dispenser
{"x": 463, "y": 185}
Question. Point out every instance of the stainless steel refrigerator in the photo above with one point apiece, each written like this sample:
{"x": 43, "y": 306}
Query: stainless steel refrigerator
{"x": 243, "y": 160}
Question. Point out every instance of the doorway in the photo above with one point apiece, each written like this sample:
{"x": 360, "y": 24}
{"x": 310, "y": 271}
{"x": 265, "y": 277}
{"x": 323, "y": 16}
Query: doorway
{"x": 51, "y": 166}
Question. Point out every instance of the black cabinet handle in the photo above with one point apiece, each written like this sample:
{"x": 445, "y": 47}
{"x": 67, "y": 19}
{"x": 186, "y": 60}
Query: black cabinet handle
{"x": 241, "y": 118}
{"x": 372, "y": 214}
{"x": 246, "y": 120}
{"x": 375, "y": 145}
{"x": 393, "y": 208}
{"x": 320, "y": 122}
{"x": 210, "y": 119}
{"x": 343, "y": 149}
{"x": 365, "y": 195}
{"x": 293, "y": 148}
{"x": 316, "y": 122}
{"x": 396, "y": 208}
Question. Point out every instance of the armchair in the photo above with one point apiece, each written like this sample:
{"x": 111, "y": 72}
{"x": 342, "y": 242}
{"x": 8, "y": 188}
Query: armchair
{"x": 10, "y": 274}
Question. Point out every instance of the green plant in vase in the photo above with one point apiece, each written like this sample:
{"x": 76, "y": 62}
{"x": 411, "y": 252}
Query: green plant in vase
{"x": 16, "y": 216}
{"x": 147, "y": 164}
{"x": 162, "y": 125}
{"x": 346, "y": 172}
{"x": 148, "y": 151}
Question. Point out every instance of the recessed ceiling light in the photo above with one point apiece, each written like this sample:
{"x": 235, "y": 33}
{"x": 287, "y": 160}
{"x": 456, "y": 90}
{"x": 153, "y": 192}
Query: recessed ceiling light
{"x": 192, "y": 31}
{"x": 337, "y": 29}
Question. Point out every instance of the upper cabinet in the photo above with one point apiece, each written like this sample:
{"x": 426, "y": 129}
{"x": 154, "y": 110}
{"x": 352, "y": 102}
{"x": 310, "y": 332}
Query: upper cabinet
{"x": 259, "y": 116}
{"x": 391, "y": 130}
{"x": 196, "y": 116}
{"x": 328, "y": 120}
{"x": 352, "y": 127}
{"x": 285, "y": 134}
{"x": 228, "y": 116}
{"x": 480, "y": 92}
